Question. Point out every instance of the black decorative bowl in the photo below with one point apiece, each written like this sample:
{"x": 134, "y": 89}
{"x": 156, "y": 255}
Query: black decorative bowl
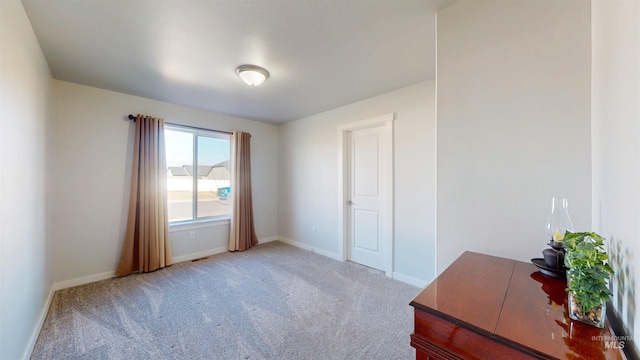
{"x": 540, "y": 264}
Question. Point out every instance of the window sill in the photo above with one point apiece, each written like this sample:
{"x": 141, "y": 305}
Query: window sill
{"x": 201, "y": 224}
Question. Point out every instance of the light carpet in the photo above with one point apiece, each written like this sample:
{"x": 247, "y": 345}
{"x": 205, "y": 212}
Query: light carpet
{"x": 274, "y": 301}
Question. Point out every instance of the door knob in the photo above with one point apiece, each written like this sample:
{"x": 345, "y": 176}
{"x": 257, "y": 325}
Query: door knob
{"x": 350, "y": 202}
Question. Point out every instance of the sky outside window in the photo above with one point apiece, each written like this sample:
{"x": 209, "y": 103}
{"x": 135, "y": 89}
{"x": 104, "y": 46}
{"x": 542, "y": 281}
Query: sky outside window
{"x": 179, "y": 149}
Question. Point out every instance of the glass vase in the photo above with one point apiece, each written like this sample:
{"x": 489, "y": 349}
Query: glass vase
{"x": 595, "y": 316}
{"x": 559, "y": 221}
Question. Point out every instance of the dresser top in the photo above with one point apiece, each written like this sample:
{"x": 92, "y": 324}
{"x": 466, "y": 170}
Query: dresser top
{"x": 514, "y": 304}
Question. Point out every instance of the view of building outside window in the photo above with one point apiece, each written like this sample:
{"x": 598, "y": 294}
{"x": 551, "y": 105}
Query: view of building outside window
{"x": 207, "y": 196}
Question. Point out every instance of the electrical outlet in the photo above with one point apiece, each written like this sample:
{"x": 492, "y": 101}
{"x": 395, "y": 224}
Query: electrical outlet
{"x": 313, "y": 230}
{"x": 192, "y": 235}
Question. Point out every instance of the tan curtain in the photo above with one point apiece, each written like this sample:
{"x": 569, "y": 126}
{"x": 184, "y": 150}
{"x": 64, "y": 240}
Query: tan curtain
{"x": 146, "y": 243}
{"x": 242, "y": 231}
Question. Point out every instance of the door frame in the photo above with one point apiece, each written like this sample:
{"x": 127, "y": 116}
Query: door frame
{"x": 385, "y": 121}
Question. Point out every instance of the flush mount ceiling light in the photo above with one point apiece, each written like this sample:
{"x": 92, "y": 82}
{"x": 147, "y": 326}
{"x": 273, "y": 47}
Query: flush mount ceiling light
{"x": 252, "y": 75}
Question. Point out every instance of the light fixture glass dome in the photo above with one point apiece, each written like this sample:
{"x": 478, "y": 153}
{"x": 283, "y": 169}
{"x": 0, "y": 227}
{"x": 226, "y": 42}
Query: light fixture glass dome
{"x": 252, "y": 75}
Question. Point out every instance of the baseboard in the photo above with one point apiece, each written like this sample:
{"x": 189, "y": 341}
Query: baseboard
{"x": 268, "y": 239}
{"x": 409, "y": 280}
{"x": 193, "y": 256}
{"x": 396, "y": 275}
{"x": 326, "y": 253}
{"x": 110, "y": 274}
{"x": 628, "y": 345}
{"x": 200, "y": 254}
{"x": 83, "y": 280}
{"x": 36, "y": 329}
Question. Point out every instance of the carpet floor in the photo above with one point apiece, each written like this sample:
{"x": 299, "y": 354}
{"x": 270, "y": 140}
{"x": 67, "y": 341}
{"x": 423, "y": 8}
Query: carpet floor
{"x": 274, "y": 301}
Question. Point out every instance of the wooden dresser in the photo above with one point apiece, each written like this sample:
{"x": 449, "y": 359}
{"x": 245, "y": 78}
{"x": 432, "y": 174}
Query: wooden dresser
{"x": 486, "y": 307}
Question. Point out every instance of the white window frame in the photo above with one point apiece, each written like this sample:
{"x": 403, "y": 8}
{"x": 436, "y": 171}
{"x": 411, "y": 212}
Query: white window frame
{"x": 207, "y": 221}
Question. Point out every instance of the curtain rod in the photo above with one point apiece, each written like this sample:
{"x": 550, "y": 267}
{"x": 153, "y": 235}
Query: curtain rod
{"x": 131, "y": 117}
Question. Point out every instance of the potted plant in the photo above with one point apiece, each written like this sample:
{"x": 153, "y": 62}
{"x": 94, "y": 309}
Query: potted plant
{"x": 587, "y": 277}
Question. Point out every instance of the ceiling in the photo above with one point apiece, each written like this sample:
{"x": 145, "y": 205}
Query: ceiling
{"x": 321, "y": 54}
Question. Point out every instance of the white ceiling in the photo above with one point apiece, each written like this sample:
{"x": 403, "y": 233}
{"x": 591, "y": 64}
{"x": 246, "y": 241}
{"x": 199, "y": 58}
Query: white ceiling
{"x": 321, "y": 54}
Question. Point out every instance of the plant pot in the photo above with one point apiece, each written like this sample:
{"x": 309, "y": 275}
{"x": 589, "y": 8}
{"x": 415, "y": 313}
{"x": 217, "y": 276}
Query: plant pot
{"x": 595, "y": 316}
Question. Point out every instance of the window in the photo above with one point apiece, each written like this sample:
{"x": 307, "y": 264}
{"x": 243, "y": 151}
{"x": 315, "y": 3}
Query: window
{"x": 197, "y": 192}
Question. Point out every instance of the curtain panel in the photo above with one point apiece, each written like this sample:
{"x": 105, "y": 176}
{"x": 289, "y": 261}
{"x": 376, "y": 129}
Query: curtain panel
{"x": 242, "y": 231}
{"x": 146, "y": 244}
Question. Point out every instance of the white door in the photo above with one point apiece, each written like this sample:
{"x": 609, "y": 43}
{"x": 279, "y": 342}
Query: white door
{"x": 366, "y": 205}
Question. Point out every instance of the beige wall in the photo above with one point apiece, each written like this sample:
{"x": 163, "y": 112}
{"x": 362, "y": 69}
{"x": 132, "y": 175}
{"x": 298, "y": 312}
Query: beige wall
{"x": 513, "y": 85}
{"x": 308, "y": 165}
{"x": 25, "y": 252}
{"x": 92, "y": 145}
{"x": 616, "y": 148}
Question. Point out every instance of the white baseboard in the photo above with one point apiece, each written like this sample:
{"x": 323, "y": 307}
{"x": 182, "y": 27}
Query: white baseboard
{"x": 193, "y": 256}
{"x": 36, "y": 329}
{"x": 83, "y": 280}
{"x": 268, "y": 239}
{"x": 214, "y": 251}
{"x": 326, "y": 253}
{"x": 395, "y": 275}
{"x": 200, "y": 254}
{"x": 410, "y": 280}
{"x": 110, "y": 274}
{"x": 188, "y": 257}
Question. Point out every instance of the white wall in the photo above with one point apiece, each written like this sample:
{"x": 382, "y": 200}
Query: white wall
{"x": 513, "y": 84}
{"x": 308, "y": 164}
{"x": 616, "y": 148}
{"x": 25, "y": 260}
{"x": 93, "y": 146}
